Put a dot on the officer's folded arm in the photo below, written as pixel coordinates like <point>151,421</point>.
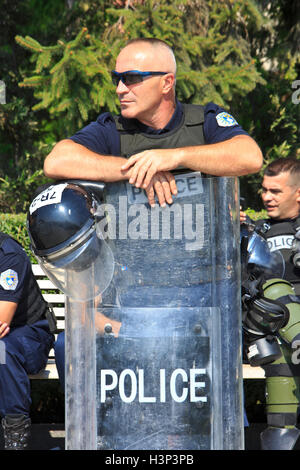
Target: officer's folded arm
<point>237,156</point>
<point>71,160</point>
<point>7,311</point>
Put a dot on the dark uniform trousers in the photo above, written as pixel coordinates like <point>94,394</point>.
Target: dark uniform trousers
<point>23,351</point>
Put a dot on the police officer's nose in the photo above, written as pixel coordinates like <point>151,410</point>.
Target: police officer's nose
<point>121,88</point>
<point>266,196</point>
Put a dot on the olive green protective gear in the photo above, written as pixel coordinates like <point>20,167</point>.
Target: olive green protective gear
<point>283,374</point>
<point>282,291</point>
<point>282,389</point>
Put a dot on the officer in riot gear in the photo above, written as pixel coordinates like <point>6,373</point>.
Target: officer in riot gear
<point>271,326</point>
<point>281,198</point>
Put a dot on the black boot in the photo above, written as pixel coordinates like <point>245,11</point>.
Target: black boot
<point>16,431</point>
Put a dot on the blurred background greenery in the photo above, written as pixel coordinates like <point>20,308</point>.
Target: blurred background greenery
<point>56,57</point>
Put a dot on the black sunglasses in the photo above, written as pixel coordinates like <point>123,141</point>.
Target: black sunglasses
<point>130,77</point>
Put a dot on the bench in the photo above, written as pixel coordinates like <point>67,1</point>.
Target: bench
<point>57,299</point>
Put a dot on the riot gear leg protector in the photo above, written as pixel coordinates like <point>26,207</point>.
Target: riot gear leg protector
<point>282,403</point>
<point>282,375</point>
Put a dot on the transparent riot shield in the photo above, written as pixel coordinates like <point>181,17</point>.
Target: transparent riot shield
<point>169,376</point>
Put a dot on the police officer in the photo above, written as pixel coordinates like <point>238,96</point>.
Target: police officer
<point>156,130</point>
<point>281,198</point>
<point>25,340</point>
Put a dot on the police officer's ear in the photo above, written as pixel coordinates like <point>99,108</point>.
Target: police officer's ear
<point>298,195</point>
<point>168,83</point>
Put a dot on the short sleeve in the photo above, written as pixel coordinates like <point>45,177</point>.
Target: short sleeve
<point>100,136</point>
<point>219,125</point>
<point>14,268</point>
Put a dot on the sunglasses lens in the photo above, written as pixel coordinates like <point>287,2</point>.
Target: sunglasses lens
<point>115,79</point>
<point>132,78</point>
<point>126,78</point>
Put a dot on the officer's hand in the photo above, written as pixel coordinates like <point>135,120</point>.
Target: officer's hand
<point>145,165</point>
<point>243,217</point>
<point>162,185</point>
<point>4,329</point>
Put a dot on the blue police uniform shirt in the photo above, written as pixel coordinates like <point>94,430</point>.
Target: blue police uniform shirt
<point>14,270</point>
<point>101,136</point>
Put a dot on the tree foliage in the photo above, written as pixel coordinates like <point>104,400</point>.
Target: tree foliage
<point>72,79</point>
<point>236,53</point>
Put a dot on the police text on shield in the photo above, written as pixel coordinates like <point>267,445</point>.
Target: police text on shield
<point>182,385</point>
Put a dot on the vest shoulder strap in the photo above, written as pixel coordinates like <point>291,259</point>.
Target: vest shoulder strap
<point>193,115</point>
<point>123,124</point>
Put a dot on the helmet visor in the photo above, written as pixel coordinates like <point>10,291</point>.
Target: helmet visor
<point>84,272</point>
<point>261,258</point>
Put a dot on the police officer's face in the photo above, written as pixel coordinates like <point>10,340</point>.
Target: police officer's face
<point>143,100</point>
<point>280,198</point>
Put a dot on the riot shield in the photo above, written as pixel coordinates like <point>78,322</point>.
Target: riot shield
<point>171,377</point>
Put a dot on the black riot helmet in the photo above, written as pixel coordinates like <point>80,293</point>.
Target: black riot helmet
<point>62,227</point>
<point>60,216</point>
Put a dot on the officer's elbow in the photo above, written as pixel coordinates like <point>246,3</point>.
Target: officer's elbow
<point>48,167</point>
<point>256,160</point>
<point>53,161</point>
<point>253,154</point>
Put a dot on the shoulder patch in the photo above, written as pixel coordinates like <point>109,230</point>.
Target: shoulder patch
<point>226,120</point>
<point>9,279</point>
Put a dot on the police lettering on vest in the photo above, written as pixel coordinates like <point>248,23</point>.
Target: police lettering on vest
<point>280,235</point>
<point>280,242</point>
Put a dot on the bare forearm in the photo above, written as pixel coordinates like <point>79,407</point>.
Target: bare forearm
<point>235,157</point>
<point>71,160</point>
